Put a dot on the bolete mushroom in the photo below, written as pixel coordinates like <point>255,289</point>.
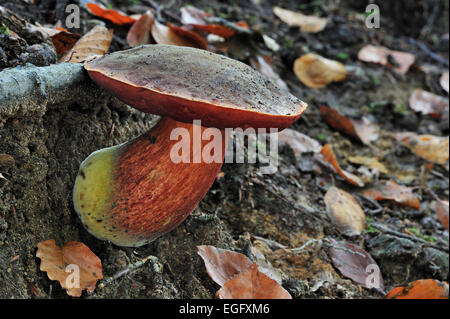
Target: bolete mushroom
<point>132,193</point>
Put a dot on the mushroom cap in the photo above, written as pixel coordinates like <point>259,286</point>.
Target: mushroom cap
<point>189,84</point>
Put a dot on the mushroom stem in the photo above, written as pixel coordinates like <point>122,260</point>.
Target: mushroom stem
<point>132,193</point>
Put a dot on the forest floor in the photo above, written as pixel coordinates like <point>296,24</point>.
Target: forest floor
<point>244,209</point>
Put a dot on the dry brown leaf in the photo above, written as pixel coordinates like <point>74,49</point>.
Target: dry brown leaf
<point>164,35</point>
<point>330,157</point>
<point>263,66</point>
<point>444,81</point>
<point>344,211</point>
<point>442,212</point>
<point>54,261</point>
<point>370,162</point>
<point>187,32</point>
<point>300,143</point>
<point>306,23</point>
<point>64,41</point>
<point>428,103</point>
<point>196,17</point>
<point>380,55</point>
<point>355,263</point>
<point>193,15</point>
<point>421,289</point>
<point>252,284</point>
<point>430,147</point>
<point>316,71</point>
<point>115,16</point>
<point>221,264</point>
<point>95,42</point>
<point>362,129</point>
<point>390,190</point>
<point>139,32</point>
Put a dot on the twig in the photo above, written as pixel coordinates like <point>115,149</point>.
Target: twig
<point>430,53</point>
<point>309,242</point>
<point>378,209</point>
<point>402,235</point>
<point>154,260</point>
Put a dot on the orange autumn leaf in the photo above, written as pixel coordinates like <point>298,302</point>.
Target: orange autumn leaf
<point>361,129</point>
<point>390,190</point>
<point>442,212</point>
<point>330,157</point>
<point>164,35</point>
<point>381,55</point>
<point>428,103</point>
<point>221,264</point>
<point>344,211</point>
<point>186,32</point>
<point>430,147</point>
<point>216,29</point>
<point>195,17</point>
<point>139,32</point>
<point>66,264</point>
<point>252,284</point>
<point>95,42</point>
<point>421,289</point>
<point>316,71</point>
<point>112,15</point>
<point>64,41</point>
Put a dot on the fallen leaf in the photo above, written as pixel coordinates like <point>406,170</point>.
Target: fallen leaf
<point>421,289</point>
<point>59,264</point>
<point>263,66</point>
<point>442,212</point>
<point>381,55</point>
<point>164,35</point>
<point>344,211</point>
<point>115,16</point>
<point>252,284</point>
<point>216,29</point>
<point>390,190</point>
<point>428,103</point>
<point>330,157</point>
<point>95,42</point>
<point>444,81</point>
<point>188,33</point>
<point>64,41</point>
<point>430,147</point>
<point>370,162</point>
<point>300,143</point>
<point>355,263</point>
<point>221,264</point>
<point>139,32</point>
<point>193,16</point>
<point>362,129</point>
<point>306,23</point>
<point>316,71</point>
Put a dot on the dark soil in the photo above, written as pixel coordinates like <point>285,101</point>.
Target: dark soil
<point>243,205</point>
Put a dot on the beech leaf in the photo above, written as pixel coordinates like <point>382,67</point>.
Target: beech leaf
<point>64,264</point>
